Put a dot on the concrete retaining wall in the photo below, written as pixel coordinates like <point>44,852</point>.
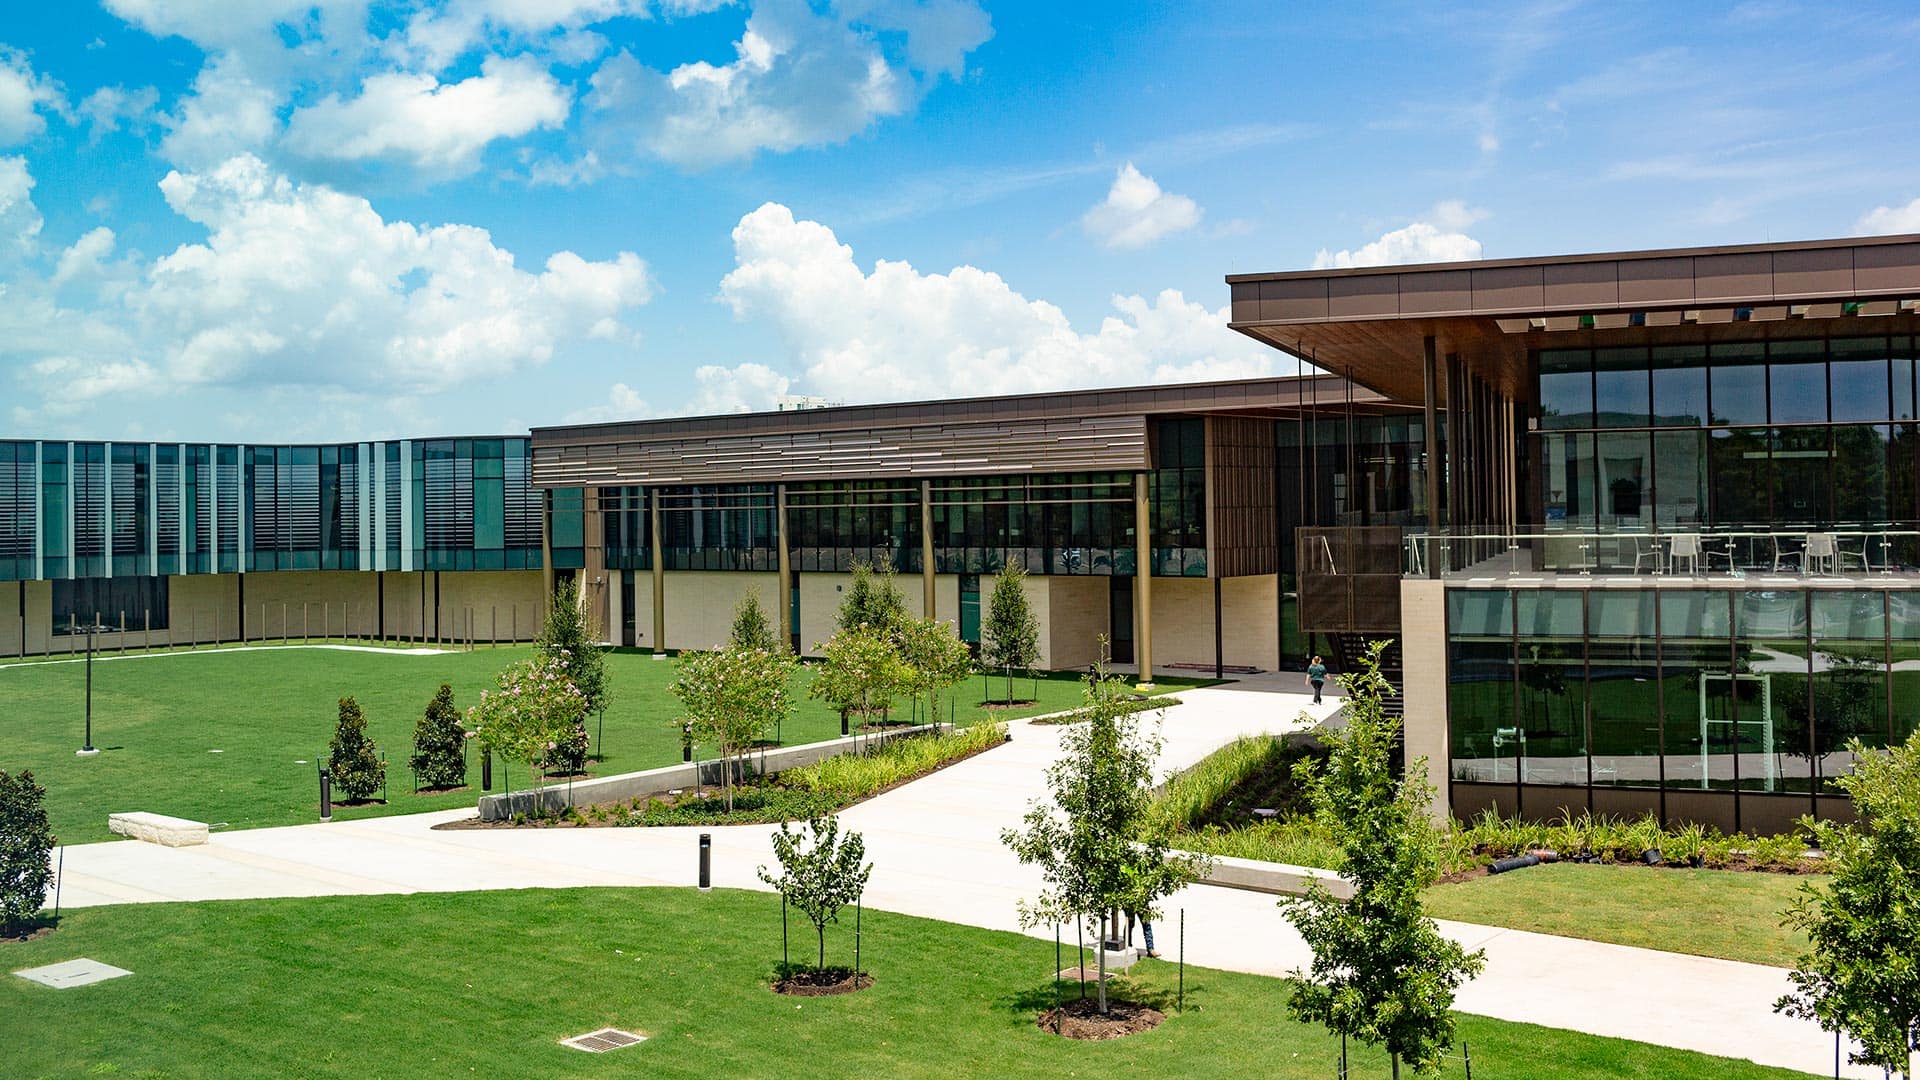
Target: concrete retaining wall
<point>558,797</point>
<point>1280,879</point>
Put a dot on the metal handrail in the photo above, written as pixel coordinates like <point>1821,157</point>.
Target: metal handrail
<point>1580,551</point>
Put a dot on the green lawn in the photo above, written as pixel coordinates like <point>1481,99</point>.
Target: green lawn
<point>271,712</point>
<point>1731,914</point>
<point>487,983</point>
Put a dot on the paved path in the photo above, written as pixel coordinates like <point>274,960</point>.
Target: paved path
<point>936,852</point>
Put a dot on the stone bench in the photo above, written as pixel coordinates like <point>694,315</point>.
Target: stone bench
<point>158,829</point>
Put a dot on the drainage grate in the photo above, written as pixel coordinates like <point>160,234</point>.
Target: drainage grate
<point>599,1042</point>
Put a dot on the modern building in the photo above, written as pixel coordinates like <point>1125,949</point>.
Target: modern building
<point>1644,527</point>
<point>1675,528</point>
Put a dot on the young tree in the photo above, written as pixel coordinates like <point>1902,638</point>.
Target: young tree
<point>1382,972</point>
<point>1861,976</point>
<point>565,639</point>
<point>1099,847</point>
<point>26,849</point>
<point>872,599</point>
<point>821,877</point>
<point>861,672</point>
<point>934,657</point>
<point>351,760</point>
<point>439,743</point>
<point>1011,637</point>
<point>531,714</point>
<point>751,629</point>
<point>732,697</point>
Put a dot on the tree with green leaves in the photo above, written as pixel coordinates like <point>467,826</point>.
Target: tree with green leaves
<point>529,716</point>
<point>1382,972</point>
<point>820,874</point>
<point>439,744</point>
<point>934,658</point>
<point>26,850</point>
<point>1010,637</point>
<point>732,696</point>
<point>566,639</point>
<point>873,599</point>
<point>1099,846</point>
<point>751,629</point>
<point>352,760</point>
<point>1862,976</point>
<point>860,672</point>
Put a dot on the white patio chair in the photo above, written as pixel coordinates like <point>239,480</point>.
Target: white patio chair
<point>1684,546</point>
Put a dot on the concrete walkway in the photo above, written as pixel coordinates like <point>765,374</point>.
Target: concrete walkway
<point>935,845</point>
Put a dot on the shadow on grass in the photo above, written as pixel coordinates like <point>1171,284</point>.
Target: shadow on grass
<point>1025,1004</point>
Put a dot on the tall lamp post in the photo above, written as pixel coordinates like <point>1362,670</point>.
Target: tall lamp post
<point>88,750</point>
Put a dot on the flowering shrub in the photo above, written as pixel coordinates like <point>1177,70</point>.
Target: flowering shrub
<point>534,716</point>
<point>733,695</point>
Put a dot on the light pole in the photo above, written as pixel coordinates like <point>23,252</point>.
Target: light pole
<point>88,750</point>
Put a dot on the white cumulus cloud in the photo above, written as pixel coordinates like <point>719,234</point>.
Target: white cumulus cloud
<point>1884,220</point>
<point>623,403</point>
<point>1440,237</point>
<point>895,333</point>
<point>303,286</point>
<point>798,78</point>
<point>19,219</point>
<point>435,127</point>
<point>1136,212</point>
<point>24,97</point>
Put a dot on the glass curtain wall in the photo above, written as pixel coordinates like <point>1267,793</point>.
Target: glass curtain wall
<point>1744,436</point>
<point>1732,707</point>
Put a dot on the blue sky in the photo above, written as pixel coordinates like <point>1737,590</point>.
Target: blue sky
<point>288,220</point>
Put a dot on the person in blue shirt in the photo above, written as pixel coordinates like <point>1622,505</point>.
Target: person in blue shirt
<point>1316,677</point>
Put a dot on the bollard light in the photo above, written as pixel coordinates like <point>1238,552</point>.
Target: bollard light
<point>326,795</point>
<point>486,770</point>
<point>706,862</point>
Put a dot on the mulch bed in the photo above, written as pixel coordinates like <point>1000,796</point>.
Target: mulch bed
<point>822,983</point>
<point>37,932</point>
<point>1082,1019</point>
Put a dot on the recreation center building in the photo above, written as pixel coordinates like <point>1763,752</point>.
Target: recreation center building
<point>1644,527</point>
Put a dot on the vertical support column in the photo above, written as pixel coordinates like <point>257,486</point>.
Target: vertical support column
<point>783,597</point>
<point>926,551</point>
<point>659,574</point>
<point>1142,580</point>
<point>1431,417</point>
<point>1219,644</point>
<point>546,545</point>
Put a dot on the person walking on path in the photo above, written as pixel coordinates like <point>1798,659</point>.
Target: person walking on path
<point>1316,677</point>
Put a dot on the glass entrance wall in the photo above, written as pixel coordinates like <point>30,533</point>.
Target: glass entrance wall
<point>1728,706</point>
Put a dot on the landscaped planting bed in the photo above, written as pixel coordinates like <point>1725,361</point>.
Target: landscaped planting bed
<point>795,794</point>
<point>1602,887</point>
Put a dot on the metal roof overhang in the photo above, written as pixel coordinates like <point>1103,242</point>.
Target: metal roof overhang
<point>1372,323</point>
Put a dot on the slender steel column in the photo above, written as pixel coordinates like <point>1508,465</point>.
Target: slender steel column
<point>926,548</point>
<point>659,577</point>
<point>782,600</point>
<point>1430,377</point>
<point>1142,580</point>
<point>546,545</point>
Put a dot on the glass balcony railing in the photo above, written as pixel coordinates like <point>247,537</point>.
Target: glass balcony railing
<point>1814,551</point>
